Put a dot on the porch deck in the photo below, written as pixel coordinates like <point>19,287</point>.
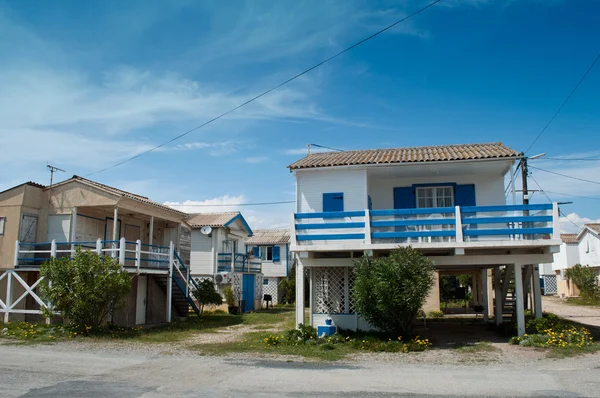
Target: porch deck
<point>238,262</point>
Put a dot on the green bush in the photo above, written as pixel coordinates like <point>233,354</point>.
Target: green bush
<point>586,281</point>
<point>301,334</point>
<point>390,291</point>
<point>86,289</point>
<point>206,294</point>
<point>547,321</point>
<point>435,314</point>
<point>229,296</point>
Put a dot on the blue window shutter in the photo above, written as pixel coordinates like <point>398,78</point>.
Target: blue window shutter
<point>464,195</point>
<point>333,201</point>
<point>404,198</point>
<point>256,251</point>
<point>276,253</point>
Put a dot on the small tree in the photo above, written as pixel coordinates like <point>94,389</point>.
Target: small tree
<point>288,286</point>
<point>86,289</point>
<point>390,291</point>
<point>206,294</point>
<point>586,281</point>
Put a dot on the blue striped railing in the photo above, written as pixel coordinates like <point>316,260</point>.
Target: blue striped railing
<point>513,222</point>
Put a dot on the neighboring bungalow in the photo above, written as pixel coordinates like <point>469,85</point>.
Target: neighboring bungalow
<point>272,246</point>
<point>218,251</point>
<point>446,201</point>
<point>150,240</point>
<point>567,257</point>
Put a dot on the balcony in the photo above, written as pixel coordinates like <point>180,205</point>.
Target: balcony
<point>238,262</point>
<point>447,227</point>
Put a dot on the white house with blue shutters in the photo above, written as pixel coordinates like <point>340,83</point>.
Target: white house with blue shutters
<point>446,201</point>
<point>272,246</point>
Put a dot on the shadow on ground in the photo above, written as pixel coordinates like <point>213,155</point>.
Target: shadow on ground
<point>453,334</point>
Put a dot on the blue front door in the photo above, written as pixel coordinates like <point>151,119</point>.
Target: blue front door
<point>248,292</point>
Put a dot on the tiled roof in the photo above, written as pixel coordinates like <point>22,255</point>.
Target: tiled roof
<point>211,219</point>
<point>569,238</point>
<point>31,183</point>
<point>594,227</point>
<point>406,155</point>
<point>269,237</point>
<point>122,193</point>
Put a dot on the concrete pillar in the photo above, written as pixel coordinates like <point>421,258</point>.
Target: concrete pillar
<point>475,292</point>
<point>497,296</point>
<point>311,297</point>
<point>519,307</point>
<point>115,231</point>
<point>537,293</point>
<point>170,282</point>
<point>484,295</point>
<point>73,234</point>
<point>300,294</point>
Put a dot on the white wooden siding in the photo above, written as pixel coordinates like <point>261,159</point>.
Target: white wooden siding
<point>90,229</point>
<point>589,249</point>
<point>567,257</point>
<point>312,184</point>
<point>201,256</point>
<point>275,268</point>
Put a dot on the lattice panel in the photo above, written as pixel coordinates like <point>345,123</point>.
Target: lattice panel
<point>350,288</point>
<point>330,290</point>
<point>236,285</point>
<point>258,287</point>
<point>550,285</point>
<point>199,279</point>
<point>272,288</point>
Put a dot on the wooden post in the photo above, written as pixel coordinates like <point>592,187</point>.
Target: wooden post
<point>73,234</point>
<point>17,250</point>
<point>115,231</point>
<point>99,246</point>
<point>458,227</point>
<point>8,301</point>
<point>299,293</point>
<point>151,234</point>
<point>293,242</point>
<point>122,251</point>
<point>138,254</point>
<point>187,282</point>
<point>53,248</point>
<point>311,296</point>
<point>555,221</point>
<point>497,296</point>
<point>367,219</point>
<point>484,295</point>
<point>520,309</point>
<point>537,293</point>
<point>170,281</point>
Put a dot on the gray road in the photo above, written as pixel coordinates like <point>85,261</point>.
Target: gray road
<point>32,371</point>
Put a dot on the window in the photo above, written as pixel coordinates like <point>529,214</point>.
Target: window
<point>229,246</point>
<point>2,223</point>
<point>266,253</point>
<point>333,201</point>
<point>265,281</point>
<point>430,197</point>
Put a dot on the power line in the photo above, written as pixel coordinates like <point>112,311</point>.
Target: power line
<point>574,159</point>
<point>232,205</point>
<point>564,175</point>
<point>564,103</point>
<point>560,212</point>
<point>327,147</point>
<point>269,90</point>
<point>574,196</point>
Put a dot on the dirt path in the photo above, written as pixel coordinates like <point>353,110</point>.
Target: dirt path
<point>584,315</point>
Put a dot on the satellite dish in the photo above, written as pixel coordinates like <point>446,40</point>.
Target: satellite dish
<point>206,230</point>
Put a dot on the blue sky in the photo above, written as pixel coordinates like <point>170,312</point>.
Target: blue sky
<point>86,84</point>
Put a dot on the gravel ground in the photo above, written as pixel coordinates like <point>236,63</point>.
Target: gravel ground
<point>584,315</point>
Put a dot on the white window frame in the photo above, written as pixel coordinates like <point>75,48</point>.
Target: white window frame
<point>434,191</point>
<point>2,225</point>
<point>266,253</point>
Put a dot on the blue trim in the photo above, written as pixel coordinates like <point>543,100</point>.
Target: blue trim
<point>427,221</point>
<point>333,214</point>
<point>330,237</point>
<point>494,220</point>
<point>477,209</point>
<point>93,218</point>
<point>333,201</point>
<point>331,225</point>
<point>396,212</point>
<point>415,234</point>
<point>106,225</point>
<point>437,184</point>
<point>508,231</point>
<point>241,218</point>
<point>33,259</point>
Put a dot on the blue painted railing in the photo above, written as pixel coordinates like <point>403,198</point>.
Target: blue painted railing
<point>241,263</point>
<point>505,222</point>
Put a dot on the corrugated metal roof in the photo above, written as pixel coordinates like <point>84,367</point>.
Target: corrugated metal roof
<point>569,238</point>
<point>269,237</point>
<point>122,193</point>
<point>406,155</point>
<point>210,219</point>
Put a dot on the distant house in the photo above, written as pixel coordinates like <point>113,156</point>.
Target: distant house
<point>448,202</point>
<point>272,246</point>
<point>567,257</point>
<point>218,251</point>
<point>149,239</point>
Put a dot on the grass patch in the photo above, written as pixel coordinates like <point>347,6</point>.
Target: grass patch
<point>482,346</point>
<point>558,353</point>
<point>585,302</point>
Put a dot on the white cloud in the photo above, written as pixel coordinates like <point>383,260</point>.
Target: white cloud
<point>573,223</point>
<point>214,148</point>
<point>220,204</point>
<point>256,159</point>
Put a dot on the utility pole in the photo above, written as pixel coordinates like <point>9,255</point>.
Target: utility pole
<point>524,173</point>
